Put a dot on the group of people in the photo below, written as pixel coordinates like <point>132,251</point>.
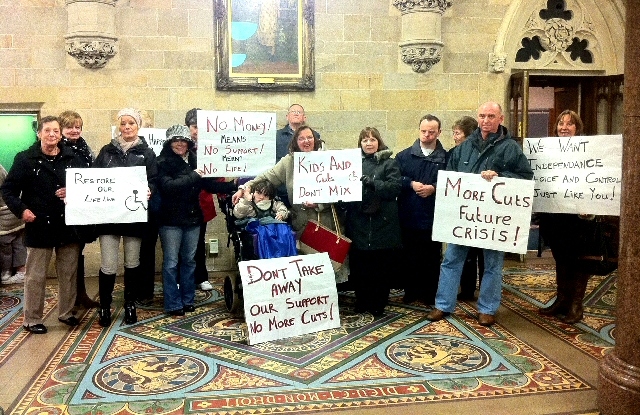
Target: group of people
<point>35,190</point>
<point>390,227</point>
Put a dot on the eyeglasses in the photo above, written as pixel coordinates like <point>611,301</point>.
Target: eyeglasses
<point>296,112</point>
<point>487,116</point>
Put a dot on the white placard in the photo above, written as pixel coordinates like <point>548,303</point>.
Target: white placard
<point>576,174</point>
<point>236,144</point>
<point>113,195</point>
<point>289,296</point>
<point>327,176</point>
<point>155,138</point>
<point>474,212</point>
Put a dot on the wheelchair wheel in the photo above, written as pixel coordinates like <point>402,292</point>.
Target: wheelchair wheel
<point>232,295</point>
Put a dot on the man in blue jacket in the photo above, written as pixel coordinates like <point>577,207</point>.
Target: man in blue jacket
<point>491,152</point>
<point>419,166</point>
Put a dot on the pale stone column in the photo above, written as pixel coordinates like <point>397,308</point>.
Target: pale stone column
<point>619,380</point>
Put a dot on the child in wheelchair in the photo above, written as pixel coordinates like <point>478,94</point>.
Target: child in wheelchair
<point>261,203</point>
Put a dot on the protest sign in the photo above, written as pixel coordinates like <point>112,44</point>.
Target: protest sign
<point>236,144</point>
<point>114,195</point>
<point>474,212</point>
<point>155,138</point>
<point>327,176</point>
<point>576,174</point>
<point>289,296</point>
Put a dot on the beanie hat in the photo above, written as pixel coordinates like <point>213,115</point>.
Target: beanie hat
<point>179,132</point>
<point>192,117</point>
<point>132,112</point>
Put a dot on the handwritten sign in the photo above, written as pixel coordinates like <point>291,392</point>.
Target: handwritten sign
<point>576,174</point>
<point>155,138</point>
<point>114,195</point>
<point>474,212</point>
<point>236,144</point>
<point>289,296</point>
<point>327,176</point>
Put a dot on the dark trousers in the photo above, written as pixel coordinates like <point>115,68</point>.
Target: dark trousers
<point>420,265</point>
<point>201,274</point>
<point>371,273</point>
<point>471,272</point>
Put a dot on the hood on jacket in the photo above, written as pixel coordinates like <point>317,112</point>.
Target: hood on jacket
<point>379,155</point>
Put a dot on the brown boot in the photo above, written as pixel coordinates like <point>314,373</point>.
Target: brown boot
<point>561,303</point>
<point>575,312</point>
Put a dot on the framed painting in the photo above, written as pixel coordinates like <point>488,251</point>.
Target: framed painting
<point>264,45</point>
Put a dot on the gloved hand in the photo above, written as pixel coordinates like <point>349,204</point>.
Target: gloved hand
<point>367,181</point>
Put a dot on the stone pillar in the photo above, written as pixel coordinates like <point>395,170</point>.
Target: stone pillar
<point>90,37</point>
<point>421,43</point>
<point>619,379</point>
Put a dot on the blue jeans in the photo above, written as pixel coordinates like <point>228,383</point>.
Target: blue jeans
<point>451,270</point>
<point>179,243</point>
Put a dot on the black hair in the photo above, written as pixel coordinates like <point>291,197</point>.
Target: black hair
<point>265,187</point>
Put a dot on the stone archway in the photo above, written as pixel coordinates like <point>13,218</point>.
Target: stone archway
<point>556,36</point>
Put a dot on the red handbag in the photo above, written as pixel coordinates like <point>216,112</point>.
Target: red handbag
<point>318,238</point>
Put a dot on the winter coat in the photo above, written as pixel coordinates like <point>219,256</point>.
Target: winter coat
<point>416,212</point>
<point>501,154</point>
<point>9,223</point>
<point>373,223</point>
<point>80,148</point>
<point>247,208</point>
<point>111,155</point>
<point>31,184</point>
<point>179,187</point>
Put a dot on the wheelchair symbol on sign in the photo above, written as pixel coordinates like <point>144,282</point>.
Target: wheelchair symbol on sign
<point>132,203</point>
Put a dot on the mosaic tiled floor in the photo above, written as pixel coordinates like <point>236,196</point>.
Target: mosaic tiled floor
<point>525,288</point>
<point>11,316</point>
<point>201,364</point>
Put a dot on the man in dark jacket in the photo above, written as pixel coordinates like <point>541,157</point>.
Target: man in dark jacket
<point>35,190</point>
<point>491,152</point>
<point>419,166</point>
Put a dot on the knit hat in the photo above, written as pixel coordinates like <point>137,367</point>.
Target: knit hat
<point>179,132</point>
<point>192,117</point>
<point>132,112</point>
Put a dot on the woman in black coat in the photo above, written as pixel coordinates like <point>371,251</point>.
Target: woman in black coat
<point>34,190</point>
<point>125,150</point>
<point>373,225</point>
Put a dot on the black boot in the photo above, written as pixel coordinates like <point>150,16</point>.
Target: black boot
<point>575,312</point>
<point>106,282</point>
<point>82,299</point>
<point>130,276</point>
<point>561,303</point>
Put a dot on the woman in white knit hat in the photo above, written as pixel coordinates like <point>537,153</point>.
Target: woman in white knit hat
<point>126,149</point>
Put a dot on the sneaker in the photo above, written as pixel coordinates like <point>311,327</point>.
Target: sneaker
<point>13,279</point>
<point>206,286</point>
<point>5,276</point>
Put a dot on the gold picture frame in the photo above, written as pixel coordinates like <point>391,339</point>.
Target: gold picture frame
<point>264,45</point>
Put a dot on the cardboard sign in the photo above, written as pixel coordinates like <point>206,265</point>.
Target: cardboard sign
<point>114,195</point>
<point>236,144</point>
<point>289,296</point>
<point>474,212</point>
<point>327,176</point>
<point>576,174</point>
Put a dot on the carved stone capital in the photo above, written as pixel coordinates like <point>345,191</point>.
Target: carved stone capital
<point>92,53</point>
<point>411,6</point>
<point>421,55</point>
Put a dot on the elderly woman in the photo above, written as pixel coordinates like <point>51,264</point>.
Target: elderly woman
<point>303,140</point>
<point>124,150</point>
<point>180,184</point>
<point>373,225</point>
<point>71,125</point>
<point>35,190</point>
